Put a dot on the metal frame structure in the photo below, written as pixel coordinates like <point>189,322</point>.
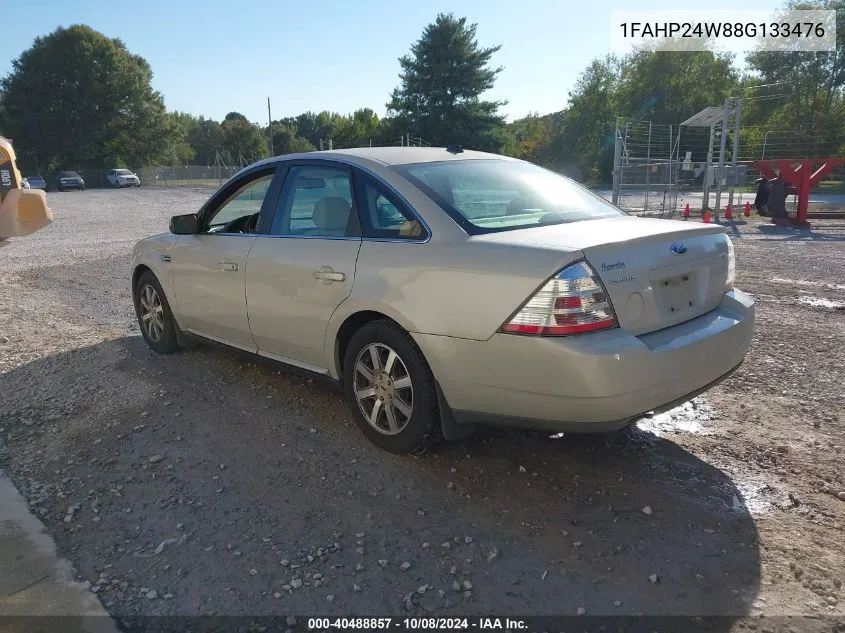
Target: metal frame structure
<point>803,175</point>
<point>800,157</point>
<point>646,167</point>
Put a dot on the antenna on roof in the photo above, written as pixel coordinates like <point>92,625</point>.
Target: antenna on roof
<point>455,149</point>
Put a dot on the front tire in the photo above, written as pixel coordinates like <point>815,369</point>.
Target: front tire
<point>390,388</point>
<point>155,318</point>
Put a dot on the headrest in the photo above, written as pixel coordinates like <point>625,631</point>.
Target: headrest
<point>331,214</point>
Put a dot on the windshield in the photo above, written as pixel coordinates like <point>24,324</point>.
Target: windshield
<point>484,196</point>
<point>123,172</point>
<point>68,174</point>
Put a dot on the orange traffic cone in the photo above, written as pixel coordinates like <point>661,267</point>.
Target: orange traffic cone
<point>729,212</point>
<point>707,216</point>
<point>747,211</point>
<point>686,212</point>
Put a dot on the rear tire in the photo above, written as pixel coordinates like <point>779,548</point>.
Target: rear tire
<point>158,327</point>
<point>390,389</point>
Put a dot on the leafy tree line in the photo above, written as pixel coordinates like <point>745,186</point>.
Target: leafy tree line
<point>799,92</point>
<point>79,98</point>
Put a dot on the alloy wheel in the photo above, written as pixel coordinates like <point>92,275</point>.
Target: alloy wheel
<point>383,388</point>
<point>152,313</point>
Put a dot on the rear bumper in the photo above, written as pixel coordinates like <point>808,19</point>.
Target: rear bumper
<point>592,382</point>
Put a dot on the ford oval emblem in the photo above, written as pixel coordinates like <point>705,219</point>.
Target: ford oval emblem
<point>678,248</point>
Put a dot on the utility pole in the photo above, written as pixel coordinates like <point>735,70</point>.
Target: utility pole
<point>270,128</point>
<point>617,163</point>
<point>734,158</point>
<point>726,115</point>
<point>708,171</point>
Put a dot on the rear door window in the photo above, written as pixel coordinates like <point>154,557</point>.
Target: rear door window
<point>317,201</point>
<point>384,216</point>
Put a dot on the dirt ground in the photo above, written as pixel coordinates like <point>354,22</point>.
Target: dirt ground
<point>203,483</point>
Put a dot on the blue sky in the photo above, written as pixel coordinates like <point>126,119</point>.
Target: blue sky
<point>216,56</point>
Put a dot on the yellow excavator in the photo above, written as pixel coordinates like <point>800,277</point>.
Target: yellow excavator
<point>22,211</point>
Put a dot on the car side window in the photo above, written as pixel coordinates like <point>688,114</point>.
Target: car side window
<point>239,213</point>
<point>316,201</point>
<point>385,216</point>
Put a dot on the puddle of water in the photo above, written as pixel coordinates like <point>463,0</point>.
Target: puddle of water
<point>691,417</point>
<point>758,495</point>
<point>802,282</point>
<point>821,302</point>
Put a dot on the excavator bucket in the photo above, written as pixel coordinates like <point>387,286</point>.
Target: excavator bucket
<point>22,211</point>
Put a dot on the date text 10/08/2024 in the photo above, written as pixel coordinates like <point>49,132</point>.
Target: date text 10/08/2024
<point>416,624</point>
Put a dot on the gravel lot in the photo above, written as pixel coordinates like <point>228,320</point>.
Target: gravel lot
<point>204,483</point>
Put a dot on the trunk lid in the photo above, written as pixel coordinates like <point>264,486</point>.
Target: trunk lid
<point>658,273</point>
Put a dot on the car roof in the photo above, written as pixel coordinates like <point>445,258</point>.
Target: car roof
<point>387,155</point>
<point>407,155</point>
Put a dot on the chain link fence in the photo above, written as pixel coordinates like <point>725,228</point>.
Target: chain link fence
<point>659,169</point>
<point>187,175</point>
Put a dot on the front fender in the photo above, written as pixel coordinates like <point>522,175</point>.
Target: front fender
<point>155,253</point>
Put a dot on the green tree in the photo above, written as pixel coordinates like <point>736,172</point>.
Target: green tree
<point>180,150</point>
<point>242,139</point>
<point>79,98</point>
<point>206,138</point>
<point>441,83</point>
<point>669,87</point>
<point>803,97</point>
<point>286,141</point>
<point>533,136</point>
<point>583,143</point>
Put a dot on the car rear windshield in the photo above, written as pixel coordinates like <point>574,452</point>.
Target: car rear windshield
<point>68,174</point>
<point>485,196</point>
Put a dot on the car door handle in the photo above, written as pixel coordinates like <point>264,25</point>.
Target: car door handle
<point>327,274</point>
<point>227,266</point>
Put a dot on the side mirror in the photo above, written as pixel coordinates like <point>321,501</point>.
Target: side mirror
<point>184,224</point>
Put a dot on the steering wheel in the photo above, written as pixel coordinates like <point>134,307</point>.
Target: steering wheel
<point>243,224</point>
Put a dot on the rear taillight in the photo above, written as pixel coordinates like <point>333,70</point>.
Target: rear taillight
<point>729,282</point>
<point>571,302</point>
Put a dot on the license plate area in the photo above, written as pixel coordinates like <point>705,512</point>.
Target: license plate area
<point>677,292</point>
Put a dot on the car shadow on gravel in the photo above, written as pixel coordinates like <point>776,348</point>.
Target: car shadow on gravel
<point>234,489</point>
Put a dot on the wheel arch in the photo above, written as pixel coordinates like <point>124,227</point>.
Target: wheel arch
<point>343,331</point>
<point>139,270</point>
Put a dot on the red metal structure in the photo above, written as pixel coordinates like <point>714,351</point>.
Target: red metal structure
<point>802,174</point>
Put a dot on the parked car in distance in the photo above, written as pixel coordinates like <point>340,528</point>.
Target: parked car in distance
<point>36,181</point>
<point>25,184</point>
<point>122,178</point>
<point>69,180</point>
<point>443,288</point>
